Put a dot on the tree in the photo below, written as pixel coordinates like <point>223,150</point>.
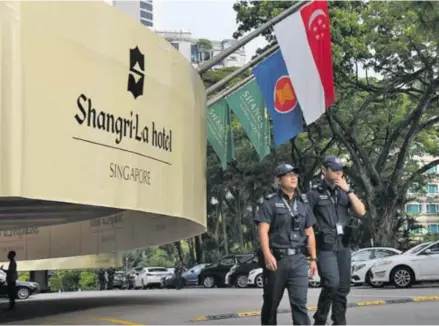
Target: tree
<point>376,122</point>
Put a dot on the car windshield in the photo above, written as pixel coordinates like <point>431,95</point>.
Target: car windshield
<point>416,249</point>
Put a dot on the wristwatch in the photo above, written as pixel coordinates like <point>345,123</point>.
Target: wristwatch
<point>350,191</point>
<point>312,259</point>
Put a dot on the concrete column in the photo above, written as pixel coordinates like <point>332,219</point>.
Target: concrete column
<point>41,277</point>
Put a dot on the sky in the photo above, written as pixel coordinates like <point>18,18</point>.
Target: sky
<point>210,19</point>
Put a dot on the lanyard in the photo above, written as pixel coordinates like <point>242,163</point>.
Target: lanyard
<point>334,198</point>
<point>293,212</point>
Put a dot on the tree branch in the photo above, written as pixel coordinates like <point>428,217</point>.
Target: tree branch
<point>360,152</point>
<point>381,162</point>
<point>417,173</point>
<point>428,123</point>
<point>423,105</point>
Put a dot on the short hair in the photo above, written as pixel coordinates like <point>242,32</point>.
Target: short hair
<point>12,253</point>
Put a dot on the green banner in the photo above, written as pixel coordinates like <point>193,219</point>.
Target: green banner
<point>249,107</point>
<point>219,132</point>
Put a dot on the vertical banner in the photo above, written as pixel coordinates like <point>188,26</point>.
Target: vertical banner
<point>249,107</point>
<point>219,132</point>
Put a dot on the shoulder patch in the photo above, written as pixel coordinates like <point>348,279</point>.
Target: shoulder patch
<point>304,198</point>
<point>269,196</point>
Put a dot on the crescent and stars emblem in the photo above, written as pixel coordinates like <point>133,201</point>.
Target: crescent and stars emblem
<point>318,24</point>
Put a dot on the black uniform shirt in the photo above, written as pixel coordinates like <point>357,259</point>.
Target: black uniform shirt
<point>274,212</point>
<point>330,206</point>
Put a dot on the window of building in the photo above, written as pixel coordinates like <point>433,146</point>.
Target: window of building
<point>432,189</point>
<point>146,5</point>
<point>432,208</point>
<point>175,45</point>
<point>146,22</point>
<point>146,14</point>
<point>433,228</point>
<point>413,208</point>
<point>194,53</point>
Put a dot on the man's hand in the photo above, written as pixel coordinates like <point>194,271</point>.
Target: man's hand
<point>270,262</point>
<point>342,184</point>
<point>312,268</point>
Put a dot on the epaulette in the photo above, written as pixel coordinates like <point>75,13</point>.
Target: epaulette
<point>304,198</point>
<point>269,196</point>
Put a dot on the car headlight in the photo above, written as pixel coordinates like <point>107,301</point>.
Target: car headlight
<point>381,263</point>
<point>358,267</point>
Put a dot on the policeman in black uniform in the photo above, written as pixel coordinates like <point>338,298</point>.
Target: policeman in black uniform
<point>330,201</point>
<point>285,223</point>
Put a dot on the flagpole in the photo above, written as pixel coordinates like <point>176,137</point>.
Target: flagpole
<point>229,90</point>
<point>224,54</point>
<point>237,72</point>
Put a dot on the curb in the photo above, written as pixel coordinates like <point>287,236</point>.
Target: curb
<point>359,304</point>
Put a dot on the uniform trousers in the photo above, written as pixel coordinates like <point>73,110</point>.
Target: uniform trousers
<point>291,273</point>
<point>335,273</point>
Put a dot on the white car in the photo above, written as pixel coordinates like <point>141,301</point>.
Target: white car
<point>150,276</point>
<point>255,279</point>
<point>362,261</point>
<point>404,270</point>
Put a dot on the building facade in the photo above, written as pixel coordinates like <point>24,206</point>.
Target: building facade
<point>198,51</point>
<point>426,206</point>
<point>140,10</point>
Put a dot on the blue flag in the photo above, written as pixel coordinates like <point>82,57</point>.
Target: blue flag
<point>281,101</point>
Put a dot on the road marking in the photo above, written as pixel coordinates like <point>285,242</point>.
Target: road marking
<point>119,322</point>
<point>359,304</point>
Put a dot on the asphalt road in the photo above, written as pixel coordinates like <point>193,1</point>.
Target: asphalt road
<point>166,307</point>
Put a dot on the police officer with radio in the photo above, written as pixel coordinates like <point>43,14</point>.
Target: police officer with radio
<point>330,201</point>
<point>285,223</point>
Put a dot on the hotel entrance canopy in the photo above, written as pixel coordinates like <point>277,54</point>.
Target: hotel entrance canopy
<point>102,133</point>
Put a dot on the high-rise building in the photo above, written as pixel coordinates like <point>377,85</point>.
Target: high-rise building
<point>197,51</point>
<point>147,13</point>
<point>140,10</point>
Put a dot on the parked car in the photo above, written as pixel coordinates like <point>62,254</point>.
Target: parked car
<point>24,289</point>
<point>239,273</point>
<point>360,273</point>
<point>120,280</point>
<point>407,269</point>
<point>215,274</point>
<point>190,277</point>
<point>147,277</point>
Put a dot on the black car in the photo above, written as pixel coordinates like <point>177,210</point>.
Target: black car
<point>238,274</point>
<point>215,274</point>
<point>24,289</point>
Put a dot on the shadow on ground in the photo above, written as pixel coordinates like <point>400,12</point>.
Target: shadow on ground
<point>37,308</point>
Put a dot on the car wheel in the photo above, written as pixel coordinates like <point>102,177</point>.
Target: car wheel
<point>241,281</point>
<point>373,283</point>
<point>259,281</point>
<point>209,282</point>
<point>23,293</point>
<point>402,277</point>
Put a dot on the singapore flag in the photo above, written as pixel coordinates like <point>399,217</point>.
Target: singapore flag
<point>305,42</point>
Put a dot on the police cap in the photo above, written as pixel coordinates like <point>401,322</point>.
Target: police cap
<point>283,169</point>
<point>333,162</point>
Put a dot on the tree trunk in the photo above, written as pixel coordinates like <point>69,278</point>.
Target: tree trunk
<point>179,250</point>
<point>239,219</point>
<point>224,225</point>
<point>198,250</point>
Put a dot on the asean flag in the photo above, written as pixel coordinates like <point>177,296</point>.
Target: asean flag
<point>305,42</point>
<point>280,98</point>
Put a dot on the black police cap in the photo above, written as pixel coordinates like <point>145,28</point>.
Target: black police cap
<point>284,169</point>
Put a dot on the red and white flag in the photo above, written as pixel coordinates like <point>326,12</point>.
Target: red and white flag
<point>305,42</point>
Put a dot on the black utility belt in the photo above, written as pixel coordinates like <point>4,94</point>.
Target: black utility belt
<point>287,252</point>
